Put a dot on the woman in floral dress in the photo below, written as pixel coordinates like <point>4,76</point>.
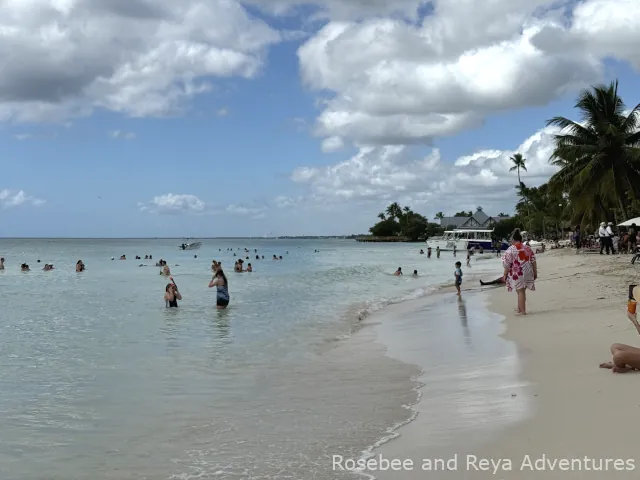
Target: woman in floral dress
<point>520,270</point>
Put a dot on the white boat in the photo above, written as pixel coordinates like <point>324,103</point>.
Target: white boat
<point>190,246</point>
<point>462,239</point>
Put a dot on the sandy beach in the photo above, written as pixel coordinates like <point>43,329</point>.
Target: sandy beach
<point>580,420</point>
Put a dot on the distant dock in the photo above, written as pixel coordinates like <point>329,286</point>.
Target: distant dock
<point>371,238</point>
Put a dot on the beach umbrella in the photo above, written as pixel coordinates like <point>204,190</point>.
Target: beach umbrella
<point>629,222</point>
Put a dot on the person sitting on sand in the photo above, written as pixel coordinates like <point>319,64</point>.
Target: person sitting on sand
<point>624,358</point>
<point>398,272</point>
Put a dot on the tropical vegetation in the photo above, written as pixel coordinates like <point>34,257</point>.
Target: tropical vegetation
<point>598,160</point>
<point>598,177</point>
<point>403,222</point>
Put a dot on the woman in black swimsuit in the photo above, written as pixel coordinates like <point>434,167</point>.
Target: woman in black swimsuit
<point>172,295</point>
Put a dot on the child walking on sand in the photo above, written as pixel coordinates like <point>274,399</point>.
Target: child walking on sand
<point>458,275</point>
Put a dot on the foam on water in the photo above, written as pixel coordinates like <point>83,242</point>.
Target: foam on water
<point>99,377</point>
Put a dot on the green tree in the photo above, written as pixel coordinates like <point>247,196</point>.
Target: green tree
<point>439,216</point>
<point>386,228</point>
<point>519,163</point>
<point>599,156</point>
<point>394,210</point>
<point>381,216</point>
<point>464,214</point>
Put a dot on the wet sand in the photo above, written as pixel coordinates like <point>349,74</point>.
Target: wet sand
<point>564,418</point>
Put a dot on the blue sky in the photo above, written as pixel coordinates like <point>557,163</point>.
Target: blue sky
<point>236,147</point>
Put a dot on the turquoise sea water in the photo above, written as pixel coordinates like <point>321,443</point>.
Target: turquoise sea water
<point>100,380</point>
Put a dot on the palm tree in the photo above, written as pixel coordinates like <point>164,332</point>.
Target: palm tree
<point>381,216</point>
<point>439,216</point>
<point>599,157</point>
<point>519,163</point>
<point>394,210</point>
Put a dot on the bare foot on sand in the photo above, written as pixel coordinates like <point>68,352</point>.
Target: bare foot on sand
<point>617,369</point>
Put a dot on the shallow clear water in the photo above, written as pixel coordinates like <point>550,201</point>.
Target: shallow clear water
<point>100,380</point>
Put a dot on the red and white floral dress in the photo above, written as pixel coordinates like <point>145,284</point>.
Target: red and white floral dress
<point>519,260</point>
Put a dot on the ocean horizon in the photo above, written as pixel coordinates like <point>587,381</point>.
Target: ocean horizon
<point>100,377</point>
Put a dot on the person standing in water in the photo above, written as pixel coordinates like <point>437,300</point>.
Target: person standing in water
<point>428,252</point>
<point>171,295</point>
<point>458,275</point>
<point>79,266</point>
<point>2,263</point>
<point>219,281</point>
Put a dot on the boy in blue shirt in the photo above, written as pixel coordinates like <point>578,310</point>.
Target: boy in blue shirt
<point>458,274</point>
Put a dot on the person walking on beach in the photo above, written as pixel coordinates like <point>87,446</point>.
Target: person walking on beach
<point>520,270</point>
<point>438,252</point>
<point>219,281</point>
<point>458,276</point>
<point>610,236</point>
<point>577,238</point>
<point>455,248</point>
<point>429,252</point>
<point>468,258</point>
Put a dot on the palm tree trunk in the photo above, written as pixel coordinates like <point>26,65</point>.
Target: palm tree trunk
<point>519,181</point>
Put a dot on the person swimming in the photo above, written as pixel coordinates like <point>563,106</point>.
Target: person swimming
<point>123,257</point>
<point>47,267</point>
<point>219,281</point>
<point>24,268</point>
<point>79,266</point>
<point>415,273</point>
<point>398,272</point>
<point>171,295</point>
<point>2,263</point>
<point>249,268</point>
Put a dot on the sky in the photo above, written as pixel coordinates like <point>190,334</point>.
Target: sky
<point>201,118</point>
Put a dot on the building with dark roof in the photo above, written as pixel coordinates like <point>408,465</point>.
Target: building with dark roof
<point>478,220</point>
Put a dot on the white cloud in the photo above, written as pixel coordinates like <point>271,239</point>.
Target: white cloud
<point>397,82</point>
<point>136,57</point>
<point>256,213</point>
<point>119,134</point>
<point>390,173</point>
<point>223,112</point>
<point>12,198</point>
<point>23,136</point>
<point>171,203</point>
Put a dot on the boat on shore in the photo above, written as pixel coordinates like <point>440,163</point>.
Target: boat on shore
<point>463,239</point>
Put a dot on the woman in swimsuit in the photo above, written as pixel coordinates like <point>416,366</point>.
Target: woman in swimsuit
<point>172,295</point>
<point>219,281</point>
<point>624,358</point>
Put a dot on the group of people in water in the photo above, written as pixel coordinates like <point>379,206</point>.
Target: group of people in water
<point>24,267</point>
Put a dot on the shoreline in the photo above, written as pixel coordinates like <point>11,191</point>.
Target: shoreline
<point>575,314</point>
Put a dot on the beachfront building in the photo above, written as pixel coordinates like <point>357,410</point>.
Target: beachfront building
<point>478,220</point>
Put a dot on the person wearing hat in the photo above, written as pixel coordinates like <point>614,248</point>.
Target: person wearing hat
<point>610,236</point>
<point>625,358</point>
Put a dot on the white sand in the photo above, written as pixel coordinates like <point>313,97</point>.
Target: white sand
<point>578,409</point>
